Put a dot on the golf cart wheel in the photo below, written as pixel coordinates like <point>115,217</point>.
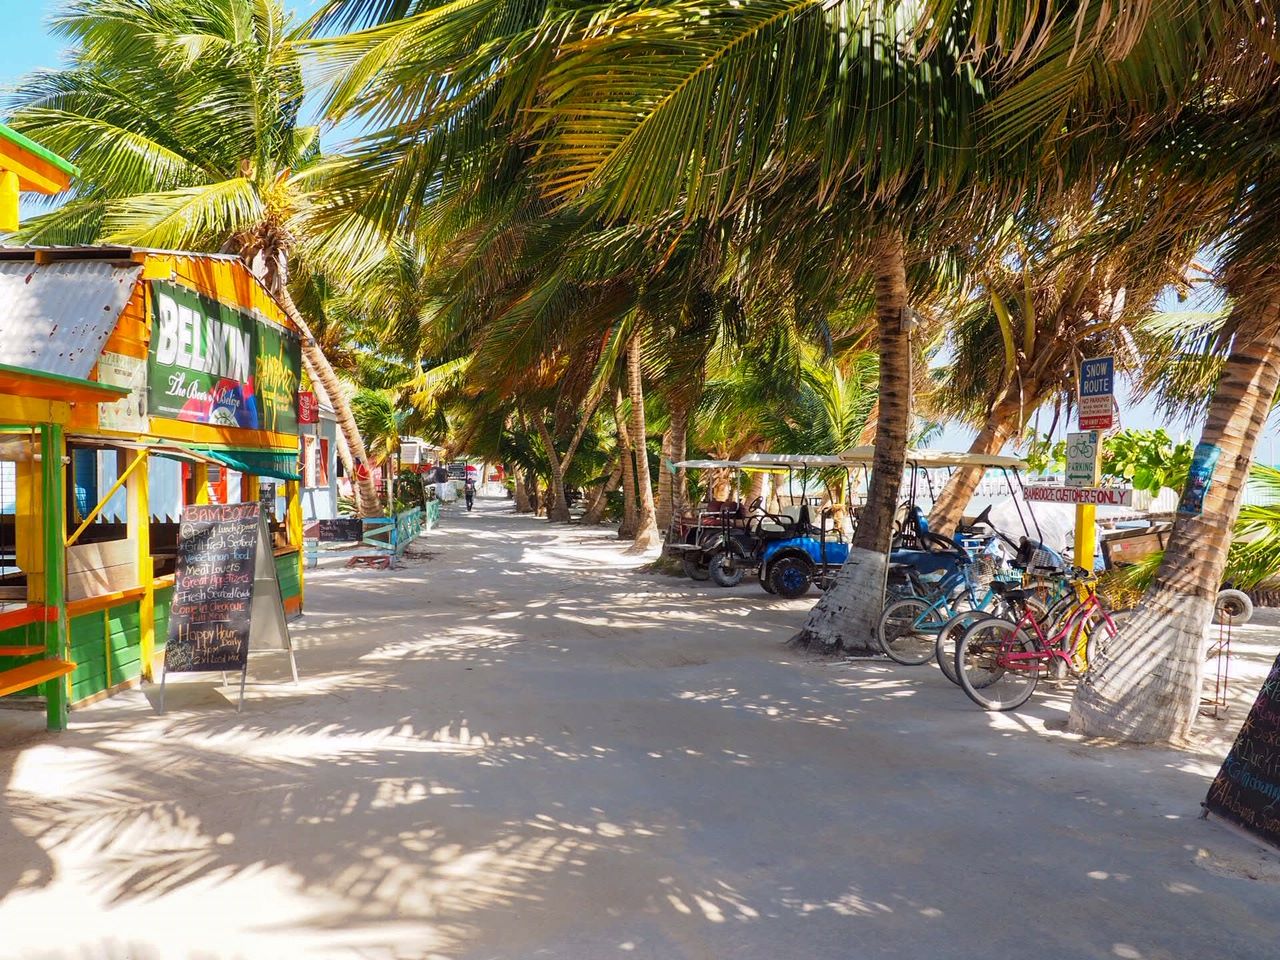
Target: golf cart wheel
<point>1233,608</point>
<point>791,577</point>
<point>693,566</point>
<point>727,568</point>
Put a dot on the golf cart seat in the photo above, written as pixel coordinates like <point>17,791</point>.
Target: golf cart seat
<point>789,520</point>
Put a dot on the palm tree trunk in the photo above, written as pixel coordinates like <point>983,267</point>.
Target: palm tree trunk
<point>627,528</point>
<point>647,534</point>
<point>322,372</point>
<point>531,485</point>
<point>557,505</point>
<point>521,495</point>
<point>595,512</point>
<point>1148,690</point>
<point>1003,422</point>
<point>845,617</point>
<point>673,447</point>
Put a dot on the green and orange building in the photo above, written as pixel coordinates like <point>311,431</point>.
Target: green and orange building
<point>132,382</point>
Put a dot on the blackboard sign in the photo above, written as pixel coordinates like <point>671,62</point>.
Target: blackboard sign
<point>213,588</point>
<point>226,597</point>
<point>340,530</point>
<point>1246,790</point>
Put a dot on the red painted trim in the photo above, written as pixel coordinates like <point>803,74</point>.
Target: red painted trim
<point>31,613</point>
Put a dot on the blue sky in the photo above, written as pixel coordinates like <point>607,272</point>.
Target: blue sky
<point>25,44</point>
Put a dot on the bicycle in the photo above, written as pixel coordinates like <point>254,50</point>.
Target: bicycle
<point>1048,595</point>
<point>909,628</point>
<point>1000,662</point>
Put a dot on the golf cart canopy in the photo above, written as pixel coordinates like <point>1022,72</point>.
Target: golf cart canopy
<point>927,459</point>
<point>710,464</point>
<point>780,461</point>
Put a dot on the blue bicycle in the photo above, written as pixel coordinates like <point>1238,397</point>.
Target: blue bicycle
<point>909,627</point>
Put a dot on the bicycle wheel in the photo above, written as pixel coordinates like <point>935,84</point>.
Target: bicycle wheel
<point>1093,637</point>
<point>908,629</point>
<point>985,677</point>
<point>944,648</point>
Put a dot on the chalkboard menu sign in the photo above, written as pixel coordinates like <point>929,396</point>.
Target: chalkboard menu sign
<point>340,529</point>
<point>226,597</point>
<point>213,588</point>
<point>1246,790</point>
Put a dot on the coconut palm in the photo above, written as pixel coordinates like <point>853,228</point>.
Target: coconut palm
<point>1181,87</point>
<point>811,110</point>
<point>183,117</point>
<point>1061,288</point>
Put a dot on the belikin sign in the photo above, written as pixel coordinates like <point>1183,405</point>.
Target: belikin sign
<point>212,363</point>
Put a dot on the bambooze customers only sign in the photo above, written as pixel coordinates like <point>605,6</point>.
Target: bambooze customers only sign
<point>214,363</point>
<point>1101,496</point>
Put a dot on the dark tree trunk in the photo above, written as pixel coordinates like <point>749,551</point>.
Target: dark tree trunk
<point>595,512</point>
<point>627,528</point>
<point>846,615</point>
<point>1004,420</point>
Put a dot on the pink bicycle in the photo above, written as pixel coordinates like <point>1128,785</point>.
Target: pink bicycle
<point>999,662</point>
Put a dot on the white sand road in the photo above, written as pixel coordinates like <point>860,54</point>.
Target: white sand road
<point>521,747</point>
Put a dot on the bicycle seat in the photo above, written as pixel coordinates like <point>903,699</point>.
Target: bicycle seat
<point>1016,595</point>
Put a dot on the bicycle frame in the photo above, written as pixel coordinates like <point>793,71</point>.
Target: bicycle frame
<point>1061,644</point>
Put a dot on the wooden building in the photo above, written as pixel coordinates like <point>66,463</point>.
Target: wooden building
<point>132,382</point>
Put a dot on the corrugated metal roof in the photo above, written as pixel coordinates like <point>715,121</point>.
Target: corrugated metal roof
<point>103,252</point>
<point>55,317</point>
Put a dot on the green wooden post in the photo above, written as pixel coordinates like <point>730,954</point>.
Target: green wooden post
<point>52,450</point>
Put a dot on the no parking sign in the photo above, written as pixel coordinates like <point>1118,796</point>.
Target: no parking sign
<point>1097,393</point>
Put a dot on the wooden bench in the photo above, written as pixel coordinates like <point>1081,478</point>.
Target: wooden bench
<point>32,674</point>
<point>21,650</point>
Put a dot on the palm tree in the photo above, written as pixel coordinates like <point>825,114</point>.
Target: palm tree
<point>681,108</point>
<point>1063,286</point>
<point>1182,86</point>
<point>182,116</point>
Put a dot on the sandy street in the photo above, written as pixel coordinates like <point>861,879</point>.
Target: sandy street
<point>522,748</point>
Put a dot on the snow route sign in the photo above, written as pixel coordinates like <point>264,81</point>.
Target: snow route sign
<point>1097,393</point>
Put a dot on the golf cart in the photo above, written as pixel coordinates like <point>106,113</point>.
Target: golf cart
<point>697,537</point>
<point>793,552</point>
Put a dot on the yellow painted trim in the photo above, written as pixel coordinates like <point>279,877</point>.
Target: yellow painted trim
<point>205,433</point>
<point>10,197</point>
<point>157,266</point>
<point>78,608</point>
<point>200,479</point>
<point>140,524</point>
<point>106,644</point>
<point>35,174</point>
<point>29,528</point>
<point>293,514</point>
<point>103,502</point>
<point>34,409</point>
